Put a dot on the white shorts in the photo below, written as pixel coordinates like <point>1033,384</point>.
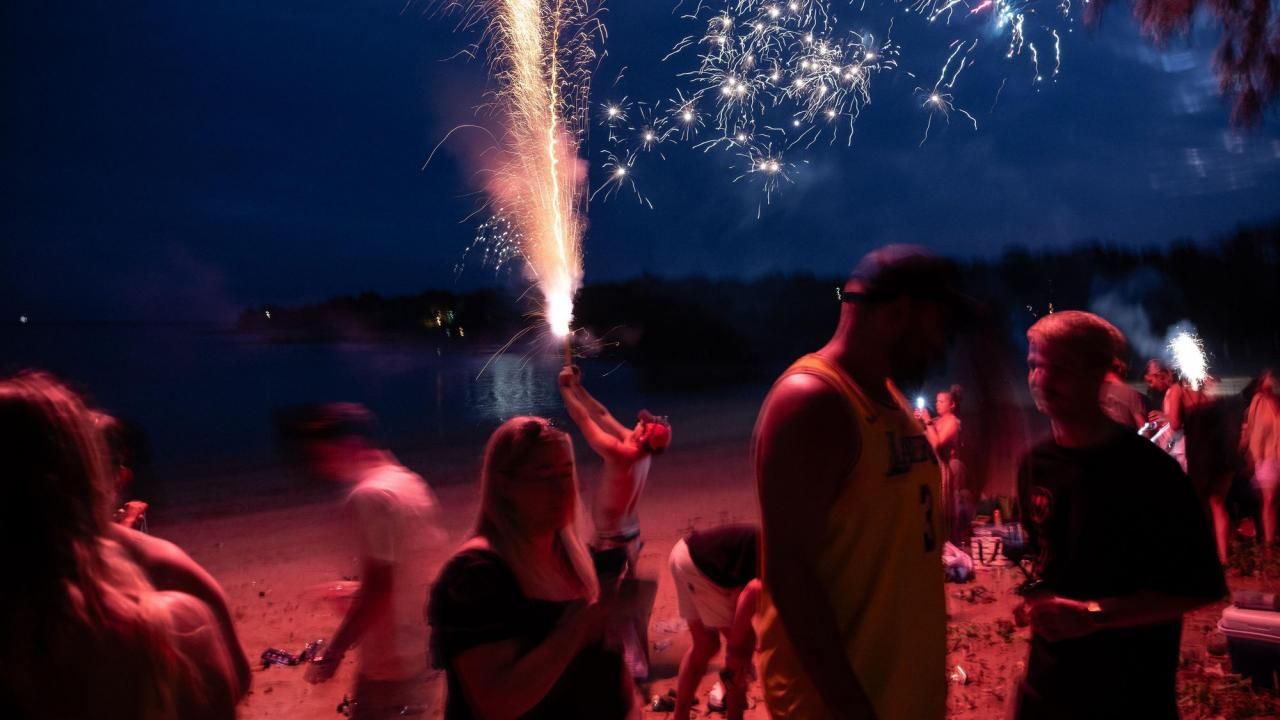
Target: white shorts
<point>698,597</point>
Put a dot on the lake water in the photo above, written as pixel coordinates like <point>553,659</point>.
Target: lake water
<point>205,397</point>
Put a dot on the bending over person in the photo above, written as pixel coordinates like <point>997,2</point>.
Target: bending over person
<point>717,578</point>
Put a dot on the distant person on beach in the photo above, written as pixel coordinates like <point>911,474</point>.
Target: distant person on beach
<point>944,434</point>
<point>1210,458</point>
<point>1159,379</point>
<point>85,633</point>
<point>1122,545</point>
<point>852,616</point>
<point>1260,439</point>
<point>394,516</point>
<point>716,573</point>
<point>517,614</point>
<point>1121,403</point>
<point>121,461</point>
<point>627,453</point>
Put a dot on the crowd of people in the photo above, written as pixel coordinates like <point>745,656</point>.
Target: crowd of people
<point>834,600</point>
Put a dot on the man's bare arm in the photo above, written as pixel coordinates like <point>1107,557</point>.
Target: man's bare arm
<point>600,413</point>
<point>372,601</point>
<point>604,443</point>
<point>805,448</point>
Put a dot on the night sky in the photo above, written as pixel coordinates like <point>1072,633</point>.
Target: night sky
<point>168,159</point>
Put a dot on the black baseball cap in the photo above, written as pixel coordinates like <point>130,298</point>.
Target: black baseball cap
<point>911,271</point>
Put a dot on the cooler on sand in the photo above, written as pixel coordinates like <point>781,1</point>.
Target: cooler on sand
<point>1253,639</point>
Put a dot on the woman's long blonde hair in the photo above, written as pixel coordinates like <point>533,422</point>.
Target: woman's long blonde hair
<point>508,449</point>
<point>74,602</point>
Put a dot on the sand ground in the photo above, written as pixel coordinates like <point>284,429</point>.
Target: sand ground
<point>276,565</point>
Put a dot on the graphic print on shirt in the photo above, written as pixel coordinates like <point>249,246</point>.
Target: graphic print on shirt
<point>1041,511</point>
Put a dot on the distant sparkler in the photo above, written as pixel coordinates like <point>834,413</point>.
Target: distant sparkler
<point>1189,359</point>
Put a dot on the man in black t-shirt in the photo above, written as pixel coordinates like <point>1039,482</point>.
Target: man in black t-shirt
<point>1124,548</point>
<point>716,573</point>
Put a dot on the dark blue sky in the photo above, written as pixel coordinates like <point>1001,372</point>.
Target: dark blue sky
<point>174,159</point>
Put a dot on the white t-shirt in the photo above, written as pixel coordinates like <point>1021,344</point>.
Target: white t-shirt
<point>395,515</point>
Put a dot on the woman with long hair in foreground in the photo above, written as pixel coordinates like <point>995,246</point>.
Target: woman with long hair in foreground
<point>517,622</point>
<point>83,633</point>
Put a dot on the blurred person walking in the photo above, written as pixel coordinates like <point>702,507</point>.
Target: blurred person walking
<point>394,515</point>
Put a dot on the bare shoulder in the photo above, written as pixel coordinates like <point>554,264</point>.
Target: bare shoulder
<point>166,565</point>
<point>150,551</point>
<point>803,399</point>
<point>806,435</point>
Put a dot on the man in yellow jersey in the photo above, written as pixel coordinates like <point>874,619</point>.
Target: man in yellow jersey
<point>852,617</point>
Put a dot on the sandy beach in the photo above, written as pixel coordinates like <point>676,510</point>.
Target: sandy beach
<point>279,564</point>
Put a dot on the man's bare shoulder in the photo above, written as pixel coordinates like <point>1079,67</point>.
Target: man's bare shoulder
<point>801,396</point>
<point>149,550</point>
<point>168,566</point>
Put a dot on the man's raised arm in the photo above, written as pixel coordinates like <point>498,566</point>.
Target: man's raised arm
<point>604,443</point>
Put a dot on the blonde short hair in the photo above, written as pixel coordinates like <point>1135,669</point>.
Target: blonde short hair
<point>1092,342</point>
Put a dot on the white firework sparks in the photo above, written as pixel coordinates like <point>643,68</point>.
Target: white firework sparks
<point>784,74</point>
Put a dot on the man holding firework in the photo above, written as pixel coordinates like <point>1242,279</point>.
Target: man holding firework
<point>627,454</point>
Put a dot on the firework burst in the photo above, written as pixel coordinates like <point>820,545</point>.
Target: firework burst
<point>786,75</point>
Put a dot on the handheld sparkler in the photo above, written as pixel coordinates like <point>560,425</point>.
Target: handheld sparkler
<point>1189,359</point>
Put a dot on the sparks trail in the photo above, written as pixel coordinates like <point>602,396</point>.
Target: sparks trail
<point>785,74</point>
<point>938,100</point>
<point>540,53</point>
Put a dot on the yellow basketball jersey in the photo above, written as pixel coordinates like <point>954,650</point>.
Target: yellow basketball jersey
<point>880,567</point>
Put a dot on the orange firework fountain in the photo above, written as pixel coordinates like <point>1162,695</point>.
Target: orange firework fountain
<point>541,52</point>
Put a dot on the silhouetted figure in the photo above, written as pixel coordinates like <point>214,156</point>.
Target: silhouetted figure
<point>1124,405</point>
<point>394,516</point>
<point>945,435</point>
<point>850,497</point>
<point>83,632</point>
<point>1159,379</point>
<point>1199,417</point>
<point>1123,548</point>
<point>121,460</point>
<point>516,614</point>
<point>1260,438</point>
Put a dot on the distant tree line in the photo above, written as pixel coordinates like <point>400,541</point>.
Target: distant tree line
<point>702,330</point>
